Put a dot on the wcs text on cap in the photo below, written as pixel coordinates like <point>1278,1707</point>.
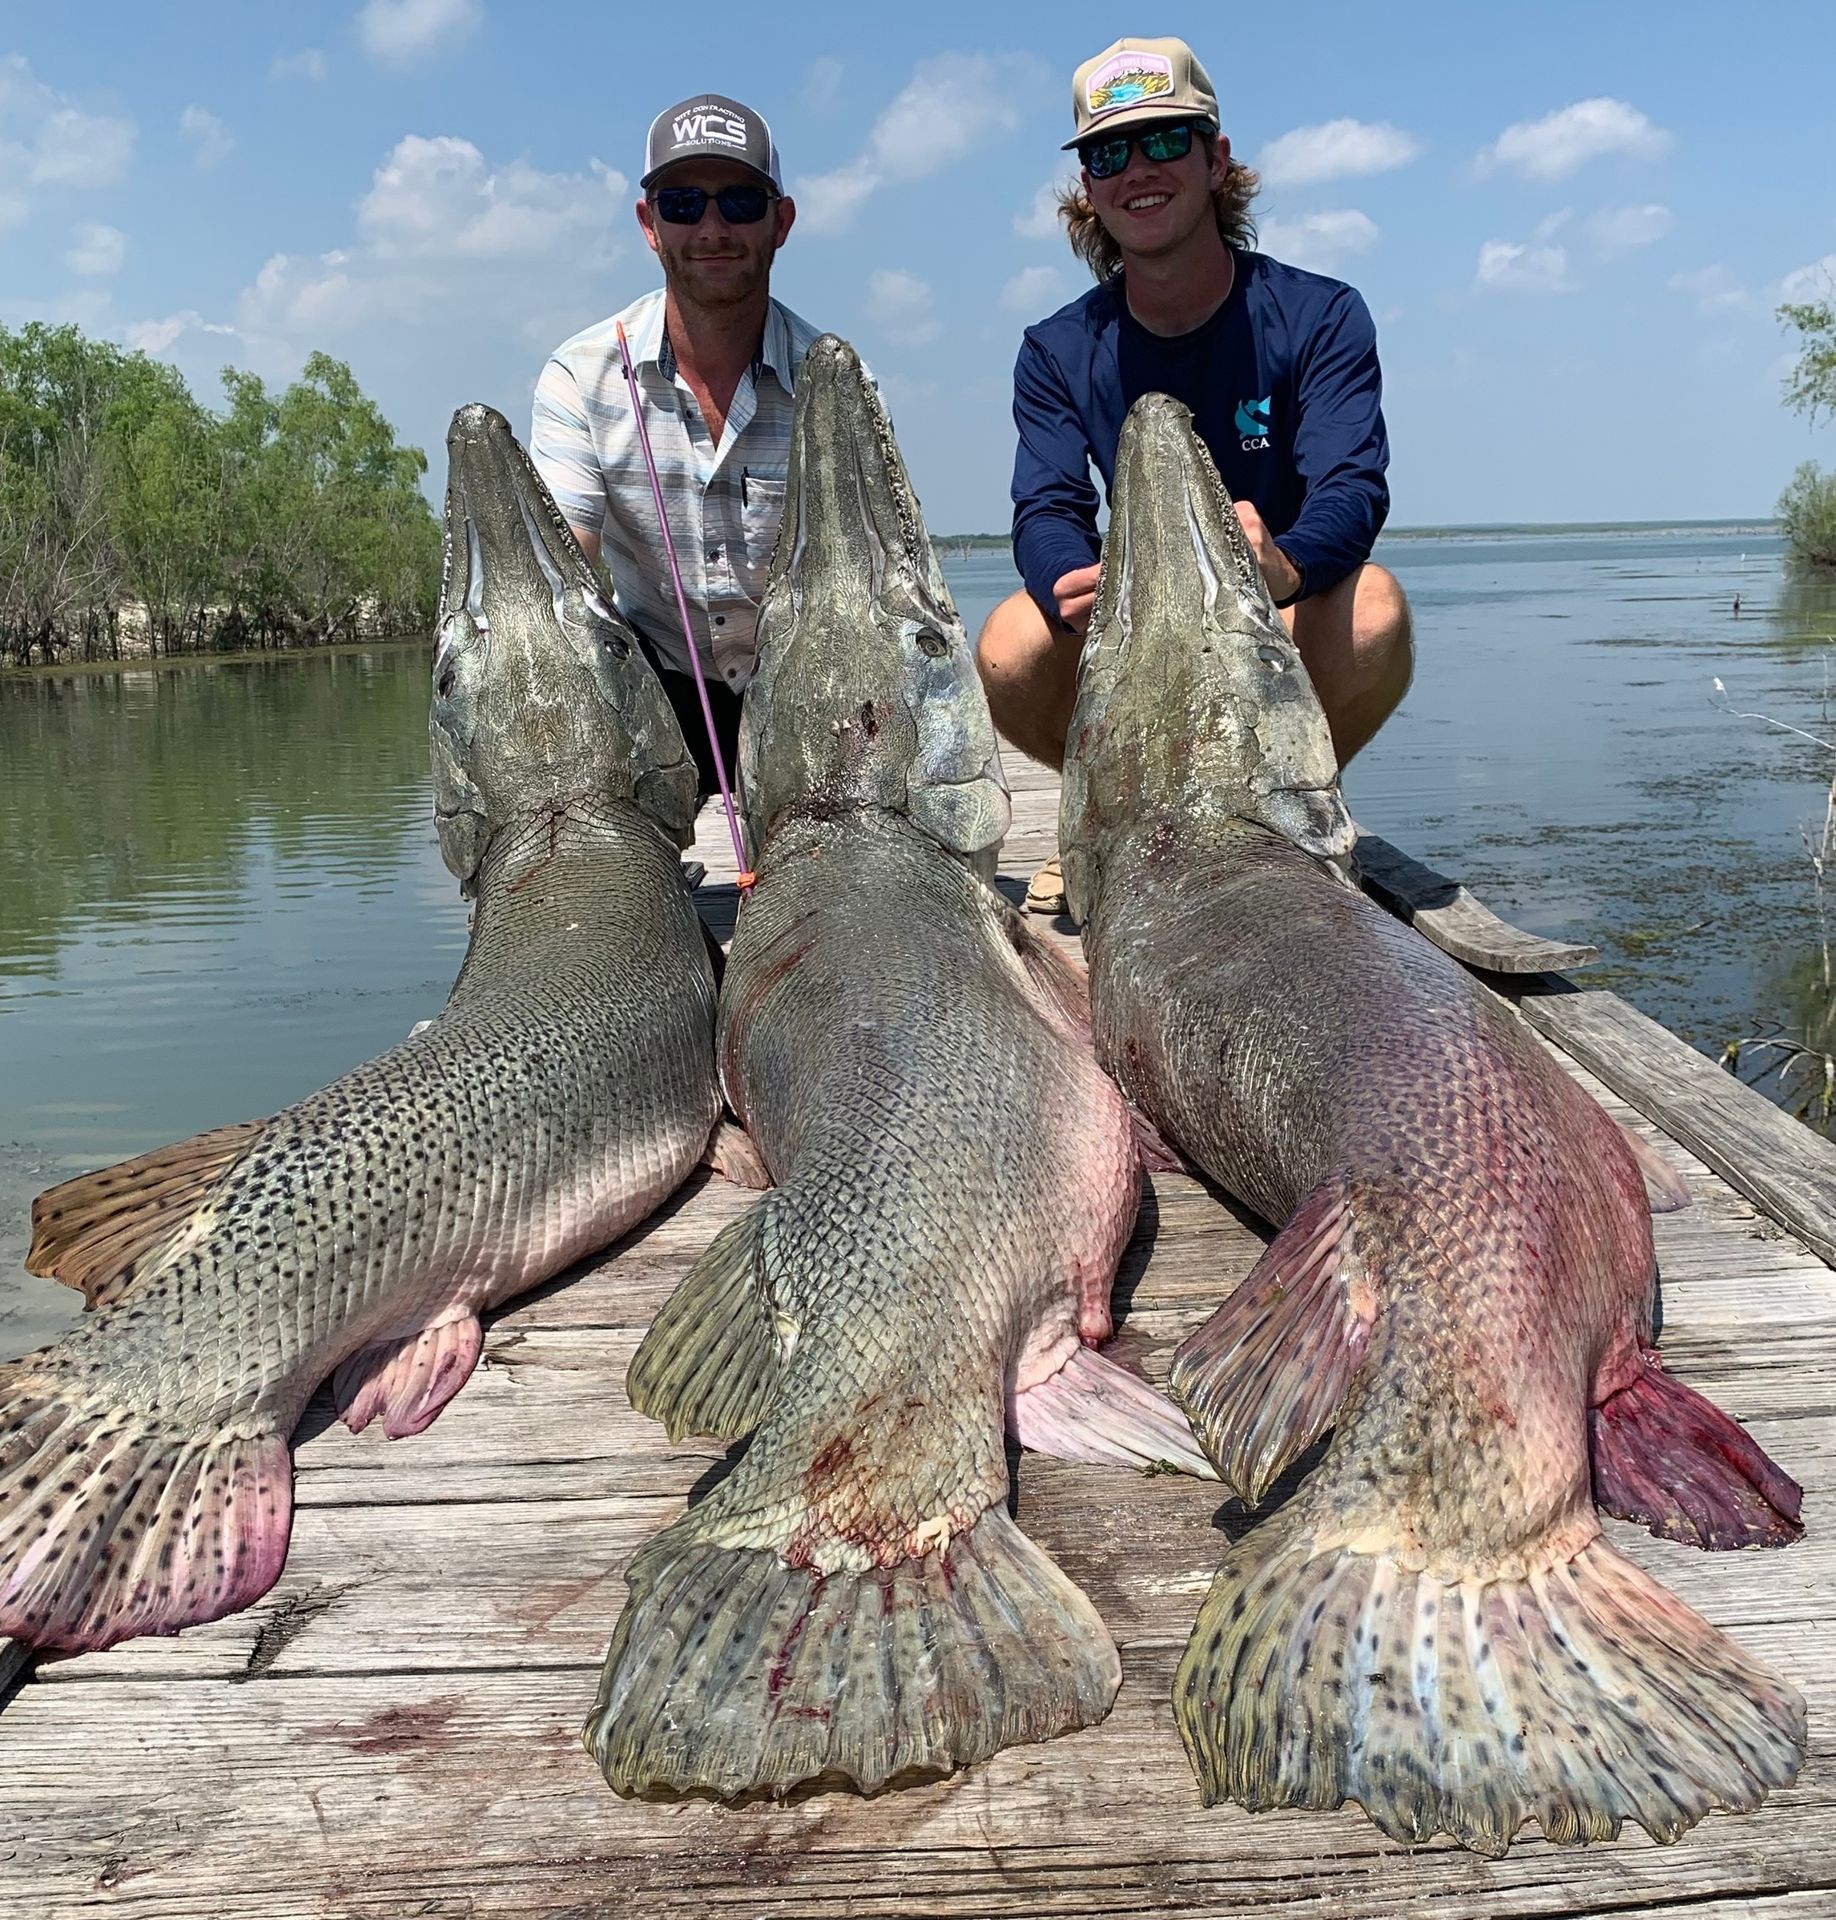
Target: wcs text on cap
<point>709,126</point>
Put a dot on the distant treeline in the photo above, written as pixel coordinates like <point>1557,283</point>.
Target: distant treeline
<point>135,521</point>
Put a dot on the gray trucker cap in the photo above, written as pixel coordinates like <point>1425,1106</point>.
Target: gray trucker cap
<point>710,126</point>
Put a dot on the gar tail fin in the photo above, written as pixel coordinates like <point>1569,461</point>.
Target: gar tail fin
<point>97,1231</point>
<point>1580,1697</point>
<point>114,1523</point>
<point>734,1672</point>
<point>1264,1376</point>
<point>1673,1461</point>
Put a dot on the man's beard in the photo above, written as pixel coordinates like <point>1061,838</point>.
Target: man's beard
<point>729,289</point>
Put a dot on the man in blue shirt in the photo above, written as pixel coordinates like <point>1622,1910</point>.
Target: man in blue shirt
<point>1278,366</point>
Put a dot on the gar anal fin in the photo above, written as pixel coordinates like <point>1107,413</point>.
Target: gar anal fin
<point>1673,1461</point>
<point>1093,1410</point>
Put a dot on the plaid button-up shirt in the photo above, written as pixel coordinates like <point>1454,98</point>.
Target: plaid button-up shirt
<point>724,502</point>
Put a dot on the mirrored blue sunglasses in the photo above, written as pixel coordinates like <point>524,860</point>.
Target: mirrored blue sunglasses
<point>1167,141</point>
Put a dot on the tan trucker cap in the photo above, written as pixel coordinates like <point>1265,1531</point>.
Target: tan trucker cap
<point>1136,81</point>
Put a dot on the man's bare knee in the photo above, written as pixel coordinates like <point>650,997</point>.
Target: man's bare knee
<point>1029,674</point>
<point>1383,639</point>
<point>1355,639</point>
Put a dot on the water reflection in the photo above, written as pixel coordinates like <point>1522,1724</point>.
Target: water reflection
<point>218,889</point>
<point>1805,609</point>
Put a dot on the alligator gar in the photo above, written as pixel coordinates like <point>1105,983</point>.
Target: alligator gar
<point>1462,1286</point>
<point>955,1181</point>
<point>565,1089</point>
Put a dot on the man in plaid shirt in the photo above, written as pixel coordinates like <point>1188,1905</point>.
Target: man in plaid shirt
<point>716,360</point>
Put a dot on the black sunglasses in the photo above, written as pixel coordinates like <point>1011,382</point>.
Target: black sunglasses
<point>739,206</point>
<point>1107,158</point>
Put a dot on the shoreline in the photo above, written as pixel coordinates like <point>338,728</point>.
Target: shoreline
<point>246,656</point>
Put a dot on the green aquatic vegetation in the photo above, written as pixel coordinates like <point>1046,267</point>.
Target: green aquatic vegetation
<point>136,522</point>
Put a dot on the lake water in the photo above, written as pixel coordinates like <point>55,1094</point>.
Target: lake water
<point>220,887</point>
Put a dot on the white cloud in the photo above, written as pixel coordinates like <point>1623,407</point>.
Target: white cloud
<point>1814,282</point>
<point>1319,241</point>
<point>1040,221</point>
<point>209,139</point>
<point>828,202</point>
<point>1513,266</point>
<point>1033,291</point>
<point>435,199</point>
<point>455,279</point>
<point>1335,150</point>
<point>439,232</point>
<point>951,103</point>
<point>13,209</point>
<point>400,32</point>
<point>46,141</point>
<point>902,306</point>
<point>1561,142</point>
<point>822,84</point>
<point>307,64</point>
<point>1714,289</point>
<point>97,250</point>
<point>155,336</point>
<point>1619,229</point>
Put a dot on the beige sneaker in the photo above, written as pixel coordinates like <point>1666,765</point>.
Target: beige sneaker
<point>1046,892</point>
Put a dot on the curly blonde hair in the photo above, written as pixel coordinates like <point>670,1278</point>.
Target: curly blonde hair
<point>1093,243</point>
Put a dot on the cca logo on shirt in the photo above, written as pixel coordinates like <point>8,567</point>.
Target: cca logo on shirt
<point>1253,420</point>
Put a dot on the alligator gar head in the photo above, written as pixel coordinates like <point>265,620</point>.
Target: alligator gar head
<point>541,696</point>
<point>866,693</point>
<point>1192,698</point>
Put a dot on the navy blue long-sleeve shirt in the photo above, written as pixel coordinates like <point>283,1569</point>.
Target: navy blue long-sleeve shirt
<point>1284,389</point>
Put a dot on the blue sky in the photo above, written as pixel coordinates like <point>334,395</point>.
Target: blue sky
<point>1572,222</point>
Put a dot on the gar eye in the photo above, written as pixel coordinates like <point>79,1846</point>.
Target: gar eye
<point>1273,657</point>
<point>443,681</point>
<point>932,644</point>
<point>615,643</point>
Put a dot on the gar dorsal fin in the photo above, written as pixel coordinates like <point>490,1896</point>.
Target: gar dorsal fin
<point>96,1232</point>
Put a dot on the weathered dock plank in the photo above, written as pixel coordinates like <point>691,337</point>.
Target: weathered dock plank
<point>1784,1168</point>
<point>395,1728</point>
<point>1445,912</point>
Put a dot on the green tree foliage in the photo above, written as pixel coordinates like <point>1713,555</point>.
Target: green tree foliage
<point>1808,504</point>
<point>134,519</point>
<point>1808,509</point>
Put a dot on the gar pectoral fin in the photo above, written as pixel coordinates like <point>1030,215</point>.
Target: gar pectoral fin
<point>98,1231</point>
<point>1264,1376</point>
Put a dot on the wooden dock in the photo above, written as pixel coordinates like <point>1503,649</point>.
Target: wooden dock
<point>395,1729</point>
